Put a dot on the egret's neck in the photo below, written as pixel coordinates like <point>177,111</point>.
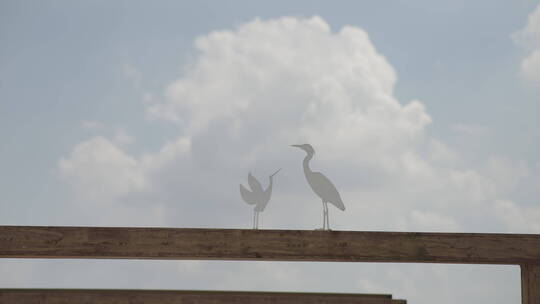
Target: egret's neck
<point>308,157</point>
<point>270,184</point>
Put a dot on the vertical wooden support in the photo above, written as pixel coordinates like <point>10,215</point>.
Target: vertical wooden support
<point>530,284</point>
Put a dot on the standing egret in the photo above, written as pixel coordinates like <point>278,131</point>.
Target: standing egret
<point>257,196</point>
<point>321,185</point>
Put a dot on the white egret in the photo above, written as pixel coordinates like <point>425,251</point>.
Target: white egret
<point>257,196</point>
<point>321,185</point>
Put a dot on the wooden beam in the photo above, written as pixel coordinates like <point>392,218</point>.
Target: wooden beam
<point>530,284</point>
<point>110,296</point>
<point>267,245</point>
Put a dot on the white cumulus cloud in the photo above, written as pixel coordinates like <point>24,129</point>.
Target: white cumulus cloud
<point>98,168</point>
<point>529,38</point>
<point>256,89</point>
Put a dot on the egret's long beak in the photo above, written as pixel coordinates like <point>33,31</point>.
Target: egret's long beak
<point>275,172</point>
<point>298,146</point>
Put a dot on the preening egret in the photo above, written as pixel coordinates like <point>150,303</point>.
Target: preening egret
<point>257,196</point>
<point>321,185</point>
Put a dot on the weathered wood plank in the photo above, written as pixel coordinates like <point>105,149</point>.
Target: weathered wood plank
<point>267,245</point>
<point>109,296</point>
<point>530,284</point>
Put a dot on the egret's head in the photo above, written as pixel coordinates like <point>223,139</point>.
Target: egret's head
<point>306,147</point>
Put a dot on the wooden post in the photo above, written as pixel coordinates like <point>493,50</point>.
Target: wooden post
<point>530,284</point>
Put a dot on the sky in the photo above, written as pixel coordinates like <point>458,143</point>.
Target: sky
<point>424,114</point>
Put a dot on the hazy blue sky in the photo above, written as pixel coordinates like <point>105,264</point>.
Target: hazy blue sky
<point>138,113</point>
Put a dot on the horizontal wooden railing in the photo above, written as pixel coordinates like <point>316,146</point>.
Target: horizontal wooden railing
<point>110,296</point>
<point>267,245</point>
<point>278,245</point>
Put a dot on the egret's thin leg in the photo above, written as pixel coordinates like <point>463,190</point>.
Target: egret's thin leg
<point>253,221</point>
<point>324,213</point>
<point>257,220</point>
<point>324,217</point>
<point>327,218</point>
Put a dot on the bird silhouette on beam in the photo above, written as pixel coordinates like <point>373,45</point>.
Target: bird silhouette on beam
<point>321,185</point>
<point>257,196</point>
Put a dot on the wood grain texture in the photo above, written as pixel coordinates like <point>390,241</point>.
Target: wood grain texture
<point>530,284</point>
<point>267,245</point>
<point>104,296</point>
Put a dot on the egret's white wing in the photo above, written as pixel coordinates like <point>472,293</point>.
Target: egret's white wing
<point>265,198</point>
<point>248,196</point>
<point>255,185</point>
<point>324,188</point>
